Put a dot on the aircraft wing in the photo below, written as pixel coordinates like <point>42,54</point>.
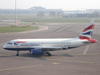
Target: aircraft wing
<point>51,47</point>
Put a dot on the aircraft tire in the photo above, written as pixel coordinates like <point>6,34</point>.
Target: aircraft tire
<point>48,54</point>
<point>17,54</point>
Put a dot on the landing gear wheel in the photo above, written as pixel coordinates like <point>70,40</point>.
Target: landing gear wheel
<point>49,54</point>
<point>29,50</point>
<point>17,53</point>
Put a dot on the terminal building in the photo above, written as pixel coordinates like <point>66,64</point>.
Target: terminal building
<point>83,13</point>
<point>32,10</point>
<point>40,11</point>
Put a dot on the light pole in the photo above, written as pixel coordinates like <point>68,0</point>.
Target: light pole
<point>15,15</point>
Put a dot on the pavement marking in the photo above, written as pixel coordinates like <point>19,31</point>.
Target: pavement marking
<point>86,54</point>
<point>20,68</point>
<point>55,63</point>
<point>62,29</point>
<point>86,49</point>
<point>71,61</point>
<point>7,55</point>
<point>30,56</point>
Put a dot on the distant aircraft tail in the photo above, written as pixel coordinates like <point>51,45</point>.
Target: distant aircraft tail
<point>87,32</point>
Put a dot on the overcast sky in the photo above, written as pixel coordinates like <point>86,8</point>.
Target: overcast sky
<point>51,4</point>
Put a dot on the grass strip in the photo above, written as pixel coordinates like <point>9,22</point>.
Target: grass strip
<point>8,29</point>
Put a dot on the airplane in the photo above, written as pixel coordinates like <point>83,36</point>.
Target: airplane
<point>41,46</point>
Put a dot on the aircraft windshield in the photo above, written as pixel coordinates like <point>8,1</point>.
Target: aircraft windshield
<point>9,43</point>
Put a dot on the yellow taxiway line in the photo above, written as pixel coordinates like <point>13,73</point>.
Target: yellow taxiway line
<point>71,61</point>
<point>55,63</point>
<point>20,67</point>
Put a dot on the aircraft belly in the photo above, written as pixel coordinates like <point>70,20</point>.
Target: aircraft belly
<point>20,49</point>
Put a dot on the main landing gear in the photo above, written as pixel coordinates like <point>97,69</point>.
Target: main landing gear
<point>17,53</point>
<point>49,54</point>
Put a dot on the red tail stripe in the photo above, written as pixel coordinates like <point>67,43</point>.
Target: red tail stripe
<point>90,27</point>
<point>92,40</point>
<point>83,37</point>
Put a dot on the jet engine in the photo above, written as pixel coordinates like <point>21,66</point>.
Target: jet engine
<point>37,52</point>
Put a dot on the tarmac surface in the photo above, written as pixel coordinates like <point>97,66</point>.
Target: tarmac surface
<point>66,62</point>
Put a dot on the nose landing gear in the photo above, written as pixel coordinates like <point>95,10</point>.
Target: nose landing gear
<point>17,53</point>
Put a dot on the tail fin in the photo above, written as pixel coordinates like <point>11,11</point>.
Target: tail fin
<point>87,32</point>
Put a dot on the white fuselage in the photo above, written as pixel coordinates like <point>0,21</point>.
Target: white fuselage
<point>28,44</point>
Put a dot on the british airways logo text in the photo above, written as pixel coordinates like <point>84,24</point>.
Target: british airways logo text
<point>30,44</point>
<point>16,43</point>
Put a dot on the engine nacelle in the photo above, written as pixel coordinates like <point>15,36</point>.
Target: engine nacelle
<point>37,52</point>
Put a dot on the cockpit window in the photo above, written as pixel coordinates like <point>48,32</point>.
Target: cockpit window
<point>9,43</point>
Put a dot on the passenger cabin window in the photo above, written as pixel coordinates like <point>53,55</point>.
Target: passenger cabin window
<point>9,43</point>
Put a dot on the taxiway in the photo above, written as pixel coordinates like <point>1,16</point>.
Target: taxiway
<point>67,62</point>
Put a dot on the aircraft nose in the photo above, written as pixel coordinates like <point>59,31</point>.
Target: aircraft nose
<point>4,46</point>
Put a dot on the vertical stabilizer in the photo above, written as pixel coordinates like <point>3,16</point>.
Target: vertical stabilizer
<point>87,32</point>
